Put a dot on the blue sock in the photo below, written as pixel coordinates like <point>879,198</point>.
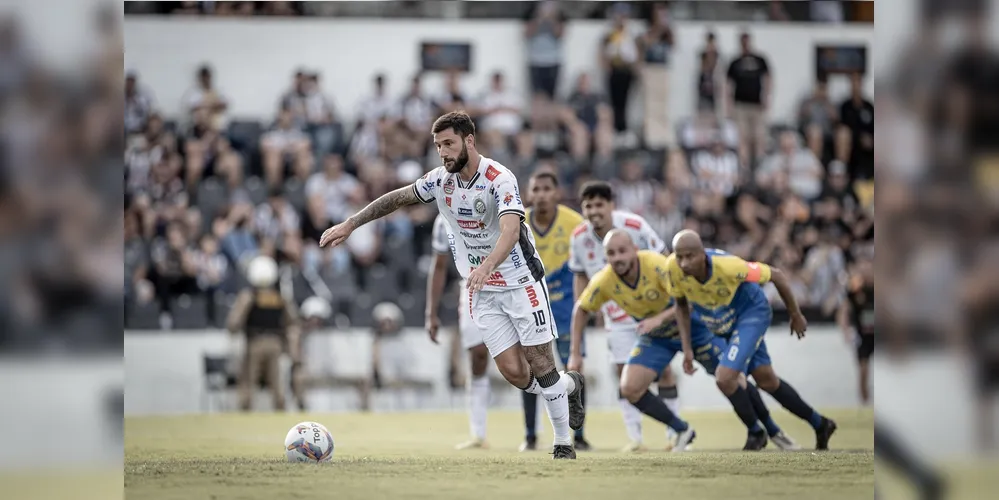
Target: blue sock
<point>744,409</point>
<point>530,414</point>
<point>789,398</point>
<point>762,411</point>
<point>654,407</point>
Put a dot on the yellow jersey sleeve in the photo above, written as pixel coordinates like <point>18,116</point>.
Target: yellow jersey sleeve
<point>595,293</point>
<point>743,271</point>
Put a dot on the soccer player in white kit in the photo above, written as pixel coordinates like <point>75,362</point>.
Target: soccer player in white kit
<point>494,251</point>
<point>586,258</point>
<point>471,339</point>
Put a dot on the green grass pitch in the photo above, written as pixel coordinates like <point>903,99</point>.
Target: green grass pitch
<point>412,455</point>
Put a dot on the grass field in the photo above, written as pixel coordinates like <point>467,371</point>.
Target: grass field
<point>411,455</point>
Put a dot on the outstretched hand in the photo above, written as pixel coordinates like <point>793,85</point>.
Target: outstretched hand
<point>336,234</point>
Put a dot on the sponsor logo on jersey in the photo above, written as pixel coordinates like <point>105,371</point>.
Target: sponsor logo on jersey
<point>447,201</point>
<point>507,199</point>
<point>589,243</point>
<point>480,247</point>
<point>580,229</point>
<point>515,259</point>
<point>428,186</point>
<point>532,296</point>
<point>464,212</point>
<point>480,206</point>
<point>449,186</point>
<point>470,224</point>
<point>494,279</point>
<point>474,236</point>
<point>633,223</point>
<point>480,187</point>
<point>492,172</point>
<point>652,295</point>
<point>475,260</point>
<point>523,280</point>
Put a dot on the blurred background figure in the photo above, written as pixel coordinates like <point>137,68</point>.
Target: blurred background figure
<point>315,313</point>
<point>391,360</point>
<point>544,47</point>
<point>270,327</point>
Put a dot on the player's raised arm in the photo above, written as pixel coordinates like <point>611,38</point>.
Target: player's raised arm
<point>384,205</point>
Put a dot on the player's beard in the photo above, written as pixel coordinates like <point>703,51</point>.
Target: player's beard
<point>627,268</point>
<point>460,161</point>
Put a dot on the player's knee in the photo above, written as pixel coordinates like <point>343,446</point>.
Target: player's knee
<point>514,372</point>
<point>766,380</point>
<point>479,357</point>
<point>631,391</point>
<point>727,380</point>
<point>667,377</point>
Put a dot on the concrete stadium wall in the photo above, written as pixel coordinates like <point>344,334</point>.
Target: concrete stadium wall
<point>163,371</point>
<point>255,58</point>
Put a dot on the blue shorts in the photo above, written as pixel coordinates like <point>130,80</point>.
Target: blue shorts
<point>745,349</point>
<point>656,353</point>
<point>564,343</point>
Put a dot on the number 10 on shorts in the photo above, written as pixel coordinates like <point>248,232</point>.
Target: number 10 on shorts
<point>539,317</point>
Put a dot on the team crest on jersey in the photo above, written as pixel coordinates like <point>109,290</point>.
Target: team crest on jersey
<point>652,295</point>
<point>480,206</point>
<point>449,186</point>
<point>492,172</point>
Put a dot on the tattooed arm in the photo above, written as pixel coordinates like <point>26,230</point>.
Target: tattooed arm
<point>384,205</point>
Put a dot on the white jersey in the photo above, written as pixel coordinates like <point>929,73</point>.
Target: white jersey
<point>586,255</point>
<point>471,211</point>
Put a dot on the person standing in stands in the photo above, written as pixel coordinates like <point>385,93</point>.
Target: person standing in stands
<point>270,324</point>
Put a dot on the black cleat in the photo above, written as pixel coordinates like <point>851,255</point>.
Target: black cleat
<point>577,413</point>
<point>755,441</point>
<point>581,444</point>
<point>529,444</point>
<point>563,452</point>
<point>823,433</point>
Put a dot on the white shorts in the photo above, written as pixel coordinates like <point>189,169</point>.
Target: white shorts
<point>507,317</point>
<point>620,342</point>
<point>470,336</point>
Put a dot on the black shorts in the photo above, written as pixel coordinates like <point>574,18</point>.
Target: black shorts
<point>865,347</point>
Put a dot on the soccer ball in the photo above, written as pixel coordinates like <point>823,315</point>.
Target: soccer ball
<point>308,442</point>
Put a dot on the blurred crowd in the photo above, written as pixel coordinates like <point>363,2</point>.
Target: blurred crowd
<point>206,193</point>
<point>60,199</point>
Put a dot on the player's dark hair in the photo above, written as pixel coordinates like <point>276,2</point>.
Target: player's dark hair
<point>596,189</point>
<point>458,120</point>
<point>544,174</point>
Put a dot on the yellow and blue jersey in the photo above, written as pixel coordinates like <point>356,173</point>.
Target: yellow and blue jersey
<point>647,297</point>
<point>731,291</point>
<point>552,244</point>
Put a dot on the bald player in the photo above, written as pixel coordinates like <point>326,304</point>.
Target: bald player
<point>724,293</point>
<point>644,296</point>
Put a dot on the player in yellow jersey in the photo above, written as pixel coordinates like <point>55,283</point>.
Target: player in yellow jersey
<point>723,293</point>
<point>552,224</point>
<point>636,281</point>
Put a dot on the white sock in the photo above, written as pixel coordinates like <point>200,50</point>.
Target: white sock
<point>674,406</point>
<point>557,403</point>
<point>632,420</point>
<point>478,405</point>
<point>534,387</point>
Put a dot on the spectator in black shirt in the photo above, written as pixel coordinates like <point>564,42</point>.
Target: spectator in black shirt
<point>857,115</point>
<point>749,99</point>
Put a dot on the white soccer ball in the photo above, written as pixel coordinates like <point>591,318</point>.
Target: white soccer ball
<point>262,272</point>
<point>308,442</point>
